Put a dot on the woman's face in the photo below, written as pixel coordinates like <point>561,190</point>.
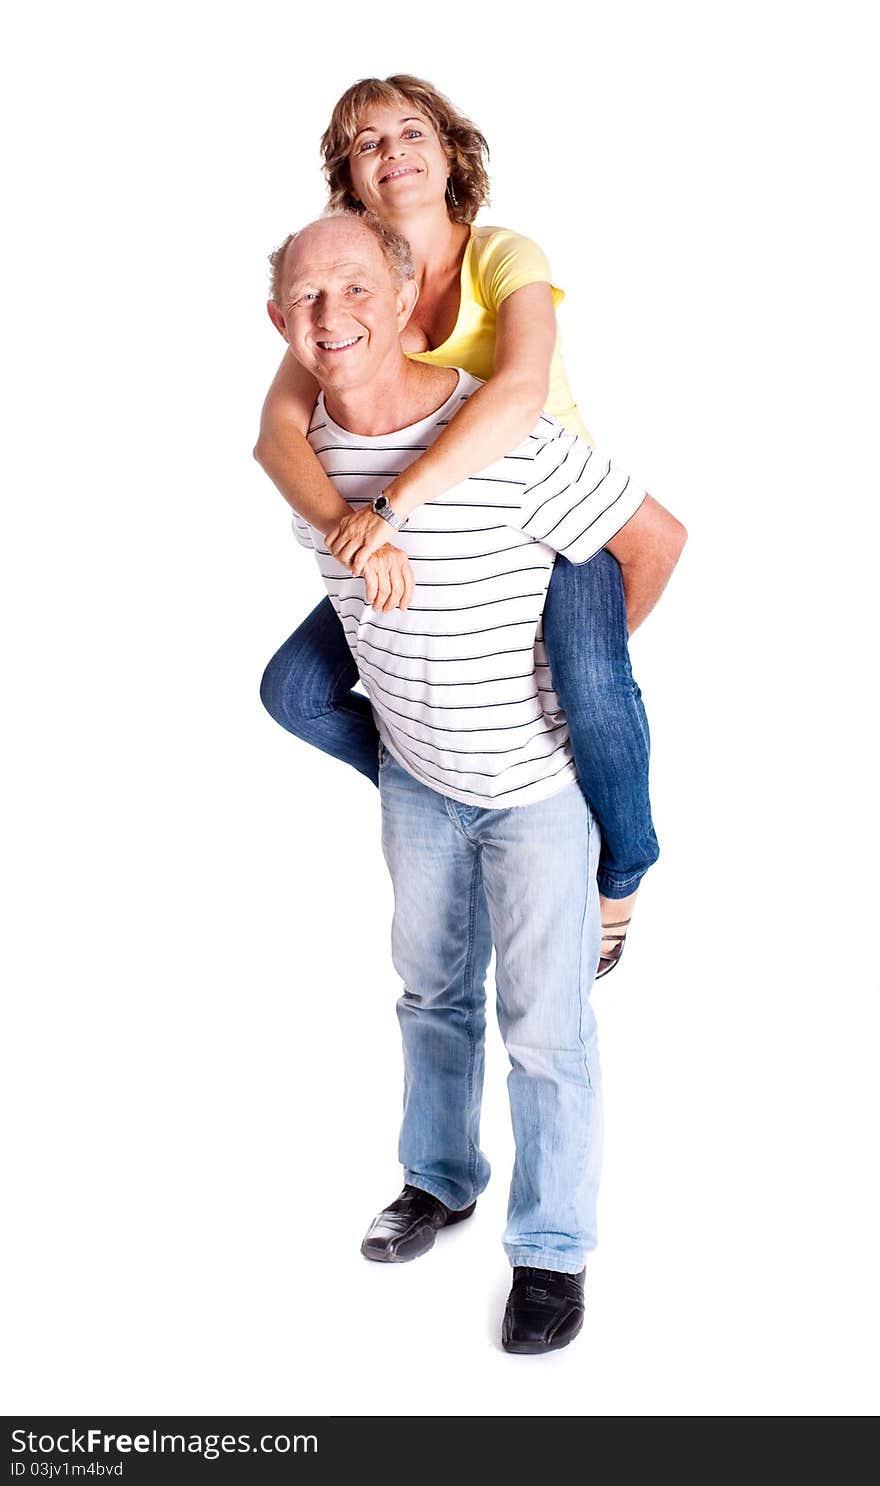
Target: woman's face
<point>397,161</point>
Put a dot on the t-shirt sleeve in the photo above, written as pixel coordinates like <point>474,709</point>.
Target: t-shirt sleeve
<point>302,531</point>
<point>508,262</point>
<point>576,500</point>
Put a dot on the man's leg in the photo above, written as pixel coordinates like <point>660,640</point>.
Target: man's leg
<point>441,946</point>
<point>539,869</point>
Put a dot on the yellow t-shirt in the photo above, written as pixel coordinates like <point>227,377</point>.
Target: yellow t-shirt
<point>496,262</point>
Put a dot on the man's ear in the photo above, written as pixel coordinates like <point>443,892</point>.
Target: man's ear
<point>407,295</point>
<point>277,318</point>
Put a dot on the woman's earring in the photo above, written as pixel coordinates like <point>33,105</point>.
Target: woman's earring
<point>450,191</point>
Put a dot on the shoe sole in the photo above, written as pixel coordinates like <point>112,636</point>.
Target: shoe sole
<point>534,1349</point>
<point>389,1256</point>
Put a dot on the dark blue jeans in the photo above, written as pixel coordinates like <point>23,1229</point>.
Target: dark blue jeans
<point>308,688</point>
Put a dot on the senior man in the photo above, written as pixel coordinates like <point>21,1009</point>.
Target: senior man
<point>486,833</point>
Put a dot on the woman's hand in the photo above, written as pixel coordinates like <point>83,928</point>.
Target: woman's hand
<point>356,537</point>
<point>388,578</point>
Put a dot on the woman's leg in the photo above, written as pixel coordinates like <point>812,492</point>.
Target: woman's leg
<point>585,635</point>
<point>307,688</point>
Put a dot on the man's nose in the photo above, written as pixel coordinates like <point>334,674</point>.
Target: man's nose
<point>326,312</point>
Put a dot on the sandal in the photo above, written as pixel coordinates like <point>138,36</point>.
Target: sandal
<point>608,962</point>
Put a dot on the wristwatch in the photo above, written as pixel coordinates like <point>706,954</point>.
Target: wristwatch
<point>382,507</point>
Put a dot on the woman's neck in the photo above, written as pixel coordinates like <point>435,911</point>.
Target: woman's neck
<point>437,242</point>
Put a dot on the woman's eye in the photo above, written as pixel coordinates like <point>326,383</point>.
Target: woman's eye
<point>413,134</point>
<point>356,289</point>
<point>368,144</point>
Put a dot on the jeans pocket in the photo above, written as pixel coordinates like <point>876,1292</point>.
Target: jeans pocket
<point>384,755</point>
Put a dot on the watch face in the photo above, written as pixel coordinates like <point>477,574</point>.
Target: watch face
<point>381,503</point>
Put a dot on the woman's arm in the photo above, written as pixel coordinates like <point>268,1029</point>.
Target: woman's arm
<point>493,421</point>
<point>288,459</point>
<point>286,454</point>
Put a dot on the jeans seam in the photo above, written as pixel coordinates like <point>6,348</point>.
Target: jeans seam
<point>450,811</point>
<point>334,687</point>
<point>633,879</point>
<point>580,974</point>
<point>469,976</point>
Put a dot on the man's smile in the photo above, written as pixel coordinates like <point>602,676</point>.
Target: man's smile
<point>345,345</point>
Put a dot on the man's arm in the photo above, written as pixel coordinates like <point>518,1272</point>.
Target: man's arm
<point>647,548</point>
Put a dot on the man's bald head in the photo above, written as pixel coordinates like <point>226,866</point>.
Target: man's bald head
<point>343,289</point>
<point>394,248</point>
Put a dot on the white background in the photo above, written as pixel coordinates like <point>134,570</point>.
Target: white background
<point>202,1060</point>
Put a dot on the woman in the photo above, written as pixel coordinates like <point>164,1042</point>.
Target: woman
<point>399,149</point>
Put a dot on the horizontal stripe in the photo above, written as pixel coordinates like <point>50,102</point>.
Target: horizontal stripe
<point>382,449</point>
<point>507,727</point>
<point>499,773</point>
<point>449,582</point>
<point>475,556</point>
<point>435,531</point>
<point>457,608</point>
<point>447,706</point>
<point>470,505</point>
<point>502,794</point>
<point>424,681</point>
<point>428,634</point>
<point>483,604</point>
<point>451,531</point>
<point>483,752</point>
<point>433,685</point>
<point>443,660</point>
<point>495,480</point>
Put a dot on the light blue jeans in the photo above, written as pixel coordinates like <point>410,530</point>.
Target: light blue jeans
<point>523,879</point>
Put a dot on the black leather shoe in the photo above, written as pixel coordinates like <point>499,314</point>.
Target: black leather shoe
<point>407,1228</point>
<point>544,1310</point>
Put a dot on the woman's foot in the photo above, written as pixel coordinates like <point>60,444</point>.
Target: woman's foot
<point>616,915</point>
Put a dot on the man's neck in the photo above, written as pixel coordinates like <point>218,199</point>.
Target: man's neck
<point>400,395</point>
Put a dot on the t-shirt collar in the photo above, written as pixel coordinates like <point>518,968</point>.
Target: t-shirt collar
<point>344,435</point>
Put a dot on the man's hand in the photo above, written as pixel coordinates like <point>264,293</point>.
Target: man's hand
<point>357,537</point>
<point>388,578</point>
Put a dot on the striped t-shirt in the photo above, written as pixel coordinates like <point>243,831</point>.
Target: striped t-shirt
<point>459,683</point>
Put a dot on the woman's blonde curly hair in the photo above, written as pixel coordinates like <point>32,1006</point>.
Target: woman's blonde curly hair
<point>465,146</point>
